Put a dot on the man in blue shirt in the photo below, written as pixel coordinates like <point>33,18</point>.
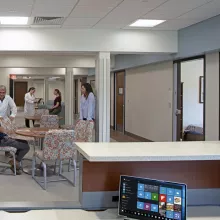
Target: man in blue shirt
<point>21,146</point>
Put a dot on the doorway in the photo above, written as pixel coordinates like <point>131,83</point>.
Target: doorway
<point>189,100</point>
<point>119,95</point>
<point>20,89</point>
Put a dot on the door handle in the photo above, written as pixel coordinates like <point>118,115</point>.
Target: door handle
<point>178,112</point>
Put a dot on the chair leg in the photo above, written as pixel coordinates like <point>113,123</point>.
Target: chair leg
<point>60,167</point>
<point>33,166</point>
<point>45,175</point>
<point>55,167</point>
<point>75,170</point>
<point>14,161</point>
<point>69,165</point>
<point>21,164</point>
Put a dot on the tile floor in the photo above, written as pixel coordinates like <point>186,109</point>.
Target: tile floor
<point>24,189</point>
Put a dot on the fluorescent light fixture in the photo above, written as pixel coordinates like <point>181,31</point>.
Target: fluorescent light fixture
<point>146,23</point>
<point>13,20</point>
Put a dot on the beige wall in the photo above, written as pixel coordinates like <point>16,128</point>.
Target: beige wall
<point>212,97</point>
<point>148,107</point>
<point>56,85</point>
<point>5,72</point>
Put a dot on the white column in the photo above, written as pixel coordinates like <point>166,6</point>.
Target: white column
<point>46,91</point>
<point>102,77</point>
<point>69,96</point>
<point>212,97</point>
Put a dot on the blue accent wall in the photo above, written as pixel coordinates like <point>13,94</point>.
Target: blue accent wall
<point>129,61</point>
<point>195,40</point>
<point>91,71</point>
<point>199,38</point>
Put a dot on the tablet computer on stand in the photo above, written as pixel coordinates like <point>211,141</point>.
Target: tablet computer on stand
<point>147,199</point>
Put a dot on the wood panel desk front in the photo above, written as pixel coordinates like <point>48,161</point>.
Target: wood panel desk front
<point>195,163</point>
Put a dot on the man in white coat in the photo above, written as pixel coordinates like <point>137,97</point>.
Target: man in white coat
<point>7,104</point>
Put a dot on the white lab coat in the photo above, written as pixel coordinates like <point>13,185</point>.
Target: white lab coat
<point>29,105</point>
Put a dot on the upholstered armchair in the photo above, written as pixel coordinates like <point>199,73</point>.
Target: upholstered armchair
<point>13,151</point>
<point>83,133</point>
<point>49,121</point>
<point>10,129</point>
<point>58,146</point>
<point>40,112</point>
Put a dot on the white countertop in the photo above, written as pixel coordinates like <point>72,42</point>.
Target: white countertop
<point>194,213</point>
<point>149,151</point>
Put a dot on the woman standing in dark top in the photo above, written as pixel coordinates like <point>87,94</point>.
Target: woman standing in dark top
<point>56,109</point>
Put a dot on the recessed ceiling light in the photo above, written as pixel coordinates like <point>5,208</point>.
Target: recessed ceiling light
<point>146,23</point>
<point>14,20</point>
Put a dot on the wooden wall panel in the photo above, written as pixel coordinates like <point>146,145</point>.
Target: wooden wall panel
<point>104,176</point>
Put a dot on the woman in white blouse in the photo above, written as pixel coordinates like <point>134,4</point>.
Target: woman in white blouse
<point>87,103</point>
<point>29,106</point>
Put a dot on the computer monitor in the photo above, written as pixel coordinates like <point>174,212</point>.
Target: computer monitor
<point>146,199</point>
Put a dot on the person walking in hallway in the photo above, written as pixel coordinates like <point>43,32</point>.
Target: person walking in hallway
<point>29,105</point>
<point>87,103</point>
<point>7,108</point>
<point>56,109</point>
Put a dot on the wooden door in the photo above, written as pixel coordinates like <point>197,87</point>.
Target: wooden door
<point>20,89</point>
<point>76,96</point>
<point>120,96</point>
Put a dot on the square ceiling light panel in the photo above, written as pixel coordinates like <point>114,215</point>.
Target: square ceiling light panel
<point>146,23</point>
<point>13,20</point>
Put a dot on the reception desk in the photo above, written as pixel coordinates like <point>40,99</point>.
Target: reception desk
<point>195,163</point>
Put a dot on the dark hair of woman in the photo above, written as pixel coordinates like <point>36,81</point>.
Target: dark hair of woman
<point>32,88</point>
<point>88,88</point>
<point>58,92</point>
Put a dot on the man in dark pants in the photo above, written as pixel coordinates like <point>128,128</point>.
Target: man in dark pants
<point>21,146</point>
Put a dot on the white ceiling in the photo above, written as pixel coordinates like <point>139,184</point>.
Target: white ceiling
<point>114,14</point>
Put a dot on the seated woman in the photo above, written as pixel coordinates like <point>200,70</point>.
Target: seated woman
<point>56,109</point>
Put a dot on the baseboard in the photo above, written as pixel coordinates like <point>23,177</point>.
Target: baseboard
<point>104,200</point>
<point>26,206</point>
<point>137,137</point>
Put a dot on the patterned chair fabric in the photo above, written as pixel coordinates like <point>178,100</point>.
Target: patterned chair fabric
<point>9,149</point>
<point>83,131</point>
<point>68,127</point>
<point>40,112</point>
<point>10,128</point>
<point>49,121</point>
<point>58,145</point>
<point>194,128</point>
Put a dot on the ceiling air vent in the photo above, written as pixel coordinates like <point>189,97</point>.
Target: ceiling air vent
<point>48,20</point>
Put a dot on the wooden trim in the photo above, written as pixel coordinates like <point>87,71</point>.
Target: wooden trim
<point>104,176</point>
<point>137,137</point>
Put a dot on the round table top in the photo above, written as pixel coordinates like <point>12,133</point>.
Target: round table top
<point>33,132</point>
<point>37,118</point>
